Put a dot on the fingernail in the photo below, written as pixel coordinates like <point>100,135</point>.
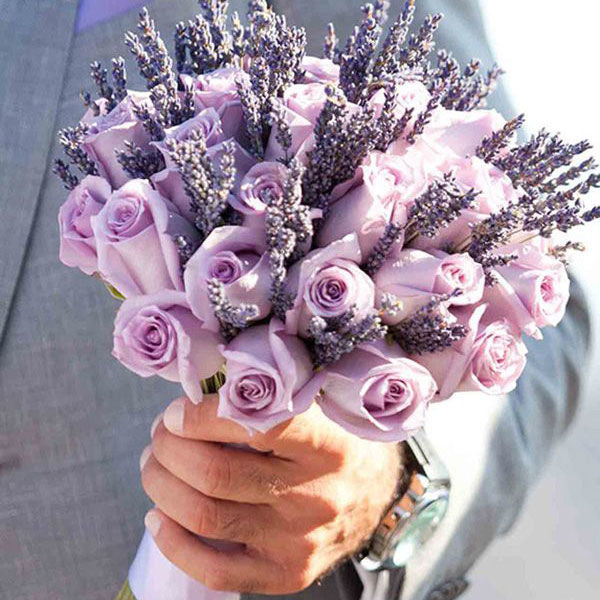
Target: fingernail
<point>173,418</point>
<point>144,457</point>
<point>155,424</point>
<point>152,522</point>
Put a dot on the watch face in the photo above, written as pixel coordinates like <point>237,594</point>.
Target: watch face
<point>419,528</point>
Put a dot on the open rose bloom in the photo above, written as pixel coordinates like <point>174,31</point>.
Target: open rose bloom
<point>363,234</point>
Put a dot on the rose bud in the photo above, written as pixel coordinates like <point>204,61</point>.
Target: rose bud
<point>463,131</point>
<point>215,89</point>
<point>269,378</point>
<point>377,393</point>
<point>532,291</point>
<point>235,256</point>
<point>327,283</point>
<point>207,122</point>
<point>77,241</point>
<point>389,186</point>
<point>109,132</point>
<point>158,335</point>
<point>410,95</point>
<point>415,277</point>
<point>496,191</point>
<point>135,233</point>
<point>261,181</point>
<point>490,358</point>
<point>320,70</point>
<point>169,184</point>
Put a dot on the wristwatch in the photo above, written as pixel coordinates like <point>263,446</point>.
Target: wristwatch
<point>415,514</point>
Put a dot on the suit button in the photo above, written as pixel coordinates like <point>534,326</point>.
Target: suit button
<point>449,590</point>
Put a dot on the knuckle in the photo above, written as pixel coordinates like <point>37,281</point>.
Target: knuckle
<point>217,474</point>
<point>205,515</point>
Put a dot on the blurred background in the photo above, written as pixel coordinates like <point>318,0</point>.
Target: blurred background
<point>550,50</point>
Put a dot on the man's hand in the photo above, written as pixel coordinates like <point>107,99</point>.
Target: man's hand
<point>310,496</point>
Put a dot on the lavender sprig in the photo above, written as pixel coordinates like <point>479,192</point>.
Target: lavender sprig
<point>355,66</point>
<point>138,163</point>
<point>149,121</point>
<point>283,133</point>
<point>330,45</point>
<point>437,207</point>
<point>207,186</point>
<point>100,78</point>
<point>428,329</point>
<point>90,104</point>
<point>333,338</point>
<point>342,140</point>
<point>119,75</point>
<point>62,170</point>
<point>420,44</point>
<point>491,146</point>
<point>71,139</point>
<point>387,64</point>
<point>288,223</point>
<point>392,234</point>
<point>155,65</point>
<point>232,319</point>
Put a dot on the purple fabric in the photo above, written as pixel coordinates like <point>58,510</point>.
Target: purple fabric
<point>92,12</point>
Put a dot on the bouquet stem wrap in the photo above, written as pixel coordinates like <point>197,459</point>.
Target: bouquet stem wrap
<point>152,576</point>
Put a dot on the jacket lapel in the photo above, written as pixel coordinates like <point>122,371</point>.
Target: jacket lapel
<point>35,40</point>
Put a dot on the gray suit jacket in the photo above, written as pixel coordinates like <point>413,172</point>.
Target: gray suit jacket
<point>73,422</point>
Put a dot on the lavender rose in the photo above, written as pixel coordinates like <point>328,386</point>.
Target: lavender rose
<point>532,291</point>
<point>207,122</point>
<point>320,70</point>
<point>490,358</point>
<point>236,257</point>
<point>134,234</point>
<point>158,335</point>
<point>269,378</point>
<point>77,241</point>
<point>414,277</point>
<point>377,393</point>
<point>327,283</point>
<point>389,186</point>
<point>108,132</point>
<point>262,180</point>
<point>215,89</point>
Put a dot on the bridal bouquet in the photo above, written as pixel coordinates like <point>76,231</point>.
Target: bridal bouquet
<point>356,230</point>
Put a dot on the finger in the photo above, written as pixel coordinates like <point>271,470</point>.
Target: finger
<point>291,440</point>
<point>221,472</point>
<point>200,422</point>
<point>218,570</point>
<point>200,514</point>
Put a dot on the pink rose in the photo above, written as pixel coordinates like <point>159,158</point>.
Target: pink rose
<point>389,186</point>
<point>411,94</point>
<point>269,378</point>
<point>531,292</point>
<point>206,122</point>
<point>320,70</point>
<point>77,242</point>
<point>215,89</point>
<point>414,277</point>
<point>302,104</point>
<point>263,179</point>
<point>490,358</point>
<point>158,335</point>
<point>306,100</point>
<point>463,131</point>
<point>377,393</point>
<point>327,283</point>
<point>169,184</point>
<point>496,191</point>
<point>134,234</point>
<point>108,132</point>
<point>236,256</point>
